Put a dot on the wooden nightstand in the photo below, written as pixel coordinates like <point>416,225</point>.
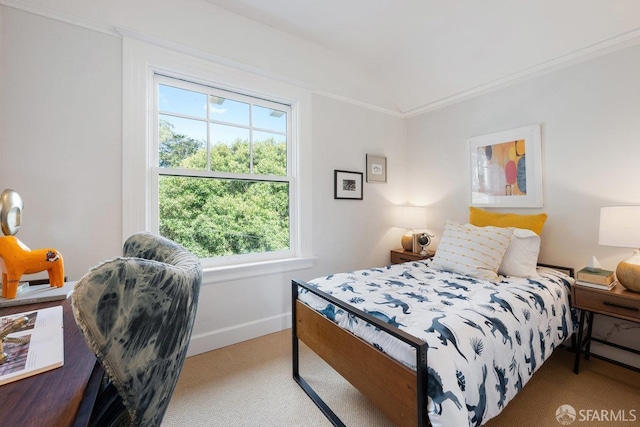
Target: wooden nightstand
<point>400,255</point>
<point>618,302</point>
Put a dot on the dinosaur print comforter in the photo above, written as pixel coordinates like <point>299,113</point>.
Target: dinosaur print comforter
<point>486,339</point>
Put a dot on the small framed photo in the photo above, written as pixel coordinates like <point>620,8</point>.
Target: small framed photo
<point>347,185</point>
<point>376,168</point>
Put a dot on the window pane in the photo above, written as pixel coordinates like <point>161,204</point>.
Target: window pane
<point>217,217</point>
<point>268,118</point>
<point>227,110</point>
<point>182,143</point>
<point>229,149</point>
<point>269,154</point>
<point>182,101</point>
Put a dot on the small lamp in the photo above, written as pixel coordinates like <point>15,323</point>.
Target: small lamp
<point>410,218</point>
<point>620,226</point>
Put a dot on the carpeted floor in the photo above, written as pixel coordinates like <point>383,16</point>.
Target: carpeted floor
<point>250,384</point>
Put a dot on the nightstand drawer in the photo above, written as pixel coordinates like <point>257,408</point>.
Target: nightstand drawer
<point>399,256</point>
<point>607,302</point>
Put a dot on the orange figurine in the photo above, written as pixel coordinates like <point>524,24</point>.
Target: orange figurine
<point>17,259</point>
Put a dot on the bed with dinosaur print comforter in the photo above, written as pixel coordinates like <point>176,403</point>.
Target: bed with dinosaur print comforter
<point>485,339</point>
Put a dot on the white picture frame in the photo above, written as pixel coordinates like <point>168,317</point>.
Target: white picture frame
<point>506,168</point>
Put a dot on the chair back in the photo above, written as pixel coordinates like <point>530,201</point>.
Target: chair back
<point>137,314</point>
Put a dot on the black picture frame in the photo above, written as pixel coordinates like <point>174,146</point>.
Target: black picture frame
<point>347,185</point>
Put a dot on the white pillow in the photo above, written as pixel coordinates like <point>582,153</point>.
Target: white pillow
<point>521,257</point>
<point>470,250</point>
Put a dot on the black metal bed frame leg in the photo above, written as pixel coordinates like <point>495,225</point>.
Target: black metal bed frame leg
<point>331,416</point>
<point>422,415</point>
<point>422,376</point>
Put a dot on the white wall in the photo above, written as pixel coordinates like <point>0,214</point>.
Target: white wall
<point>350,234</point>
<point>230,38</point>
<point>61,139</point>
<point>61,135</point>
<point>590,149</point>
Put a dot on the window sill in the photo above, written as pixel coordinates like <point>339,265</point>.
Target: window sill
<point>227,273</point>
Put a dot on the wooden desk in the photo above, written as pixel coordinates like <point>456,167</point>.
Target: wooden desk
<point>61,397</point>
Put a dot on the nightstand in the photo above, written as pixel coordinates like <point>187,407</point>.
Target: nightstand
<point>617,302</point>
<point>400,255</point>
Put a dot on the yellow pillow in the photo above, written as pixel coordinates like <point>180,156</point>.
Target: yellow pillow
<point>482,218</point>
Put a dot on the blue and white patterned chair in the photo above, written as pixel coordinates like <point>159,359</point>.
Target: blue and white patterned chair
<point>137,313</point>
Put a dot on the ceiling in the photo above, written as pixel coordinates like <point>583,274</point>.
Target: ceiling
<point>432,52</point>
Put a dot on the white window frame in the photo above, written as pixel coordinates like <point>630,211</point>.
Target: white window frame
<point>156,171</point>
<point>141,61</point>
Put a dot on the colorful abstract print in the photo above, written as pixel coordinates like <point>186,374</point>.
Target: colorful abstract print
<point>486,338</point>
<point>502,169</point>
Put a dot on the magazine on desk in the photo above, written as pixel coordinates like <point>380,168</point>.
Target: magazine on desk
<point>34,343</point>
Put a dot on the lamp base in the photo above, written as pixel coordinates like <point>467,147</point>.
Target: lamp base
<point>407,242</point>
<point>628,272</point>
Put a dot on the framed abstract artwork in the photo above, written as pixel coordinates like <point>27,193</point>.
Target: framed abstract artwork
<point>347,185</point>
<point>506,168</point>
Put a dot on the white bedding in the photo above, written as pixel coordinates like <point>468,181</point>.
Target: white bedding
<point>485,338</point>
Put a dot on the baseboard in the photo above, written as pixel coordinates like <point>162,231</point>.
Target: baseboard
<point>208,341</point>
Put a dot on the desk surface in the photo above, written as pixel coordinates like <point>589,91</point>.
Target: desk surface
<point>53,397</point>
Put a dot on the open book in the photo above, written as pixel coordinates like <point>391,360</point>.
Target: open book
<point>34,343</point>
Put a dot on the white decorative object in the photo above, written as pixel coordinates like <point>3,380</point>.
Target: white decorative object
<point>594,264</point>
<point>424,240</point>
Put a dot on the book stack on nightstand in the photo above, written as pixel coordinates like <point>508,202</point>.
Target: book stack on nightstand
<point>599,279</point>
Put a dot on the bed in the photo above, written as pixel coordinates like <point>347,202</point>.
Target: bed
<point>429,345</point>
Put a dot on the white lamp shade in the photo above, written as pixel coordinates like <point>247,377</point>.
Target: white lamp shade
<point>620,226</point>
<point>411,217</point>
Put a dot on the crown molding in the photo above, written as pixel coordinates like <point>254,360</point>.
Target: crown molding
<point>121,32</point>
<point>62,17</point>
<point>362,104</point>
<point>595,50</point>
<point>603,47</point>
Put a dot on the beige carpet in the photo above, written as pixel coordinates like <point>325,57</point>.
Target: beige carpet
<point>250,384</point>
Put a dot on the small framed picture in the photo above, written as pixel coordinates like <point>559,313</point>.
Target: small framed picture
<point>376,168</point>
<point>347,185</point>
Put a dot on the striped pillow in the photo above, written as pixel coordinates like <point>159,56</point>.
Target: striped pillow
<point>470,250</point>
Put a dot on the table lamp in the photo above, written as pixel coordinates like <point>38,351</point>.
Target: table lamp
<point>620,226</point>
<point>410,218</point>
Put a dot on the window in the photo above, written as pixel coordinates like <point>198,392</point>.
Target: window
<point>221,172</point>
<point>145,67</point>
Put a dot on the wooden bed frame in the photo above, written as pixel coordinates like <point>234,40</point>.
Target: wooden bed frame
<point>400,394</point>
